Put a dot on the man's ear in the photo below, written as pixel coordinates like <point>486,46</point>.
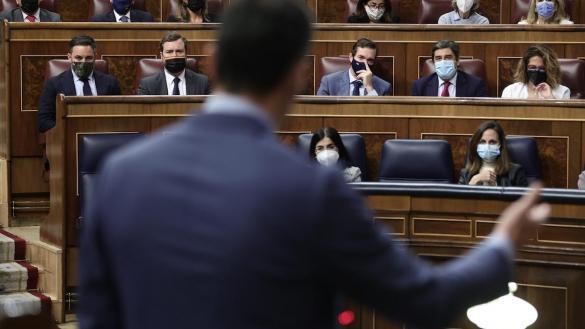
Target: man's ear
<point>69,56</point>
<point>350,57</point>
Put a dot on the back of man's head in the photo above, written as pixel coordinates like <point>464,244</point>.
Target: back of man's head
<point>260,42</point>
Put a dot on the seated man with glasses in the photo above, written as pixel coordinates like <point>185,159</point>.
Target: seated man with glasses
<point>359,80</point>
<point>373,11</point>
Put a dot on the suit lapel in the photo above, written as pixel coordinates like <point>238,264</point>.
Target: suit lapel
<point>162,82</point>
<point>17,15</point>
<point>43,16</point>
<point>433,86</point>
<point>69,84</point>
<point>111,17</point>
<point>460,90</point>
<point>100,86</point>
<point>344,84</point>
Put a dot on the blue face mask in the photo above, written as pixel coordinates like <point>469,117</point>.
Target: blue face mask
<point>545,9</point>
<point>122,7</point>
<point>445,69</point>
<point>488,152</point>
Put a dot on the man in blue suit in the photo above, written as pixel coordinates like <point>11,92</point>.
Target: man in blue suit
<point>356,83</point>
<point>123,12</point>
<point>448,80</point>
<point>80,80</point>
<point>216,224</point>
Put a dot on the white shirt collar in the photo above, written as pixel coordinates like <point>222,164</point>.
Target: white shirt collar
<point>170,77</point>
<point>453,80</point>
<point>37,15</point>
<point>118,16</point>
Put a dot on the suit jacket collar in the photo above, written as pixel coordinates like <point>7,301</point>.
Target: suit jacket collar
<point>343,83</point>
<point>161,80</point>
<point>432,87</point>
<point>100,84</point>
<point>17,15</point>
<point>69,83</point>
<point>190,82</point>
<point>44,16</point>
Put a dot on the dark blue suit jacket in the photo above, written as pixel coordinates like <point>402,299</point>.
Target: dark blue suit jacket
<point>337,84</point>
<point>136,16</point>
<point>467,86</point>
<point>215,224</point>
<point>63,84</point>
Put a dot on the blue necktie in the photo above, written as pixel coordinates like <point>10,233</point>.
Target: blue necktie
<point>357,84</point>
<point>124,19</point>
<point>86,88</point>
<point>176,81</point>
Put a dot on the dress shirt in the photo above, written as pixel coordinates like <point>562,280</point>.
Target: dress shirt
<point>452,86</point>
<point>79,84</point>
<point>170,84</point>
<point>520,90</point>
<point>37,16</point>
<point>353,78</point>
<point>453,17</point>
<point>118,16</point>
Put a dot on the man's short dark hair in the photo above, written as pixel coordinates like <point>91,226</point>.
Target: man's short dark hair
<point>82,40</point>
<point>171,37</point>
<point>363,43</point>
<point>259,43</point>
<point>454,46</point>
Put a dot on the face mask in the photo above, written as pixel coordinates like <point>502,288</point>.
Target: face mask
<point>82,69</point>
<point>29,6</point>
<point>445,69</point>
<point>195,5</point>
<point>176,65</point>
<point>536,76</point>
<point>374,14</point>
<point>488,152</point>
<point>122,7</point>
<point>328,157</point>
<point>545,9</point>
<point>465,5</point>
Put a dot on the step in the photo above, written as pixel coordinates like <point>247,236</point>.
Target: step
<point>18,304</point>
<point>18,276</point>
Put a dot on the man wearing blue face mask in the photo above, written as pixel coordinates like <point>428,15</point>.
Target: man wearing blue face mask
<point>448,80</point>
<point>123,12</point>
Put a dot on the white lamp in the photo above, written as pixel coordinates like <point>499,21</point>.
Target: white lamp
<point>506,312</point>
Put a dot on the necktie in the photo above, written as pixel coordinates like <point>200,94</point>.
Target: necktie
<point>357,84</point>
<point>445,92</point>
<point>124,19</point>
<point>176,87</point>
<point>86,88</point>
<point>31,19</point>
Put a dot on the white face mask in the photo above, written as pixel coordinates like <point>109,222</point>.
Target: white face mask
<point>328,157</point>
<point>374,14</point>
<point>465,5</point>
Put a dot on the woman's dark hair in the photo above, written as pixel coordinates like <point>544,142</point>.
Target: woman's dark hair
<point>475,162</point>
<point>551,64</point>
<point>321,133</point>
<point>360,11</point>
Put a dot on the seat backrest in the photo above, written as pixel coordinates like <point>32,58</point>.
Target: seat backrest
<point>92,150</point>
<point>98,7</point>
<point>416,161</point>
<point>474,67</point>
<point>354,144</point>
<point>524,151</point>
<point>573,76</point>
<point>382,68</point>
<point>520,9</point>
<point>50,5</point>
<point>57,66</point>
<point>430,10</point>
<point>350,6</point>
<point>151,66</point>
<point>214,7</point>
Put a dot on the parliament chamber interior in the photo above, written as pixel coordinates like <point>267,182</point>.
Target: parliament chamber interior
<point>410,149</point>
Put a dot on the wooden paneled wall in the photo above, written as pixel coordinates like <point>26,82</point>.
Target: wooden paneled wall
<point>326,11</point>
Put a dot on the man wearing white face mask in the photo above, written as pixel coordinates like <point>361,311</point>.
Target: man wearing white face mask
<point>464,12</point>
<point>448,80</point>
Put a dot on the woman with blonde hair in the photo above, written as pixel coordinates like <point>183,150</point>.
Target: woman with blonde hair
<point>538,76</point>
<point>192,11</point>
<point>546,12</point>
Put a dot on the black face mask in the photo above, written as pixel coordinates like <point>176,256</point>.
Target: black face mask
<point>176,65</point>
<point>536,76</point>
<point>195,5</point>
<point>29,6</point>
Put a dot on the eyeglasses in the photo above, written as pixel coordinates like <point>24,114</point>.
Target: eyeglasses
<point>373,5</point>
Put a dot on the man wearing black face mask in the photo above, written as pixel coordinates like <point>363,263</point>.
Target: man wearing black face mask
<point>192,11</point>
<point>80,80</point>
<point>175,79</point>
<point>28,11</point>
<point>123,12</point>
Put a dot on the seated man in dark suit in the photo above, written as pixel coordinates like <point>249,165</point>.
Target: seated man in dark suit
<point>175,79</point>
<point>359,81</point>
<point>123,13</point>
<point>28,11</point>
<point>80,80</point>
<point>448,81</point>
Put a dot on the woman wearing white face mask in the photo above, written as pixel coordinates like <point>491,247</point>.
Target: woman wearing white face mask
<point>489,162</point>
<point>464,12</point>
<point>328,149</point>
<point>373,11</point>
<point>546,12</point>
